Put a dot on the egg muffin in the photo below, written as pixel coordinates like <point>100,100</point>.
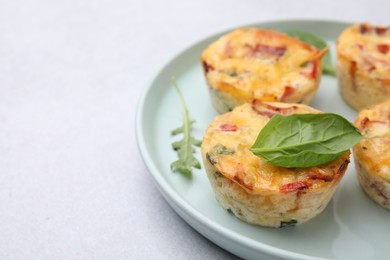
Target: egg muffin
<point>372,153</point>
<point>363,65</point>
<point>251,188</point>
<point>253,63</point>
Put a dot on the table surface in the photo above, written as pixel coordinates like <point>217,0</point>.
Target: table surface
<point>72,182</point>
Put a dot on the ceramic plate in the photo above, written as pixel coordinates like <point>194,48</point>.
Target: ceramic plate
<point>351,227</point>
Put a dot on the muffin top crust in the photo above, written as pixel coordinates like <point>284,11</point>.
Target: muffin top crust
<point>368,46</point>
<point>228,139</point>
<point>374,148</point>
<point>253,63</point>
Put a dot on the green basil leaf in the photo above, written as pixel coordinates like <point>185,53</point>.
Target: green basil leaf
<point>327,67</point>
<point>305,140</point>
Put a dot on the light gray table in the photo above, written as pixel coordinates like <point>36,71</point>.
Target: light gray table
<point>72,183</point>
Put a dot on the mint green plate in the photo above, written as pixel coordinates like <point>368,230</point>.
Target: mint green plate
<point>351,227</point>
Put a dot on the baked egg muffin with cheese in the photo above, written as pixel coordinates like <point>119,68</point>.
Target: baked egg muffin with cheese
<point>372,153</point>
<point>253,63</point>
<point>363,65</point>
<point>255,190</point>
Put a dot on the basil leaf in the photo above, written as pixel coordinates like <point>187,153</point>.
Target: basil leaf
<point>305,140</point>
<point>327,67</point>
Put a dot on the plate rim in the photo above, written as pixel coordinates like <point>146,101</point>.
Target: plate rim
<point>179,204</point>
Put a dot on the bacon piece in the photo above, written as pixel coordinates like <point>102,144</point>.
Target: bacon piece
<point>288,91</point>
<point>364,28</point>
<point>238,175</point>
<point>369,59</point>
<point>242,182</point>
<point>207,67</point>
<point>380,30</point>
<point>314,70</point>
<point>369,64</point>
<point>228,128</point>
<point>352,73</point>
<point>383,48</point>
<point>270,50</point>
<point>229,50</point>
<point>318,175</point>
<point>269,110</point>
<point>366,121</point>
<point>295,186</point>
<point>343,167</point>
<point>273,51</point>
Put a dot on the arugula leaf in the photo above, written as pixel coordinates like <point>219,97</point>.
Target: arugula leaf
<point>305,140</point>
<point>184,147</point>
<point>327,67</point>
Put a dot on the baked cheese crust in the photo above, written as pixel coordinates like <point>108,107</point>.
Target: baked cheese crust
<point>372,153</point>
<point>252,63</point>
<point>363,65</point>
<point>254,190</point>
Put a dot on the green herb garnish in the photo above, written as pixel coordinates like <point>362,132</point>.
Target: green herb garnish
<point>184,147</point>
<point>289,223</point>
<point>327,67</point>
<point>305,140</point>
<point>221,149</point>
